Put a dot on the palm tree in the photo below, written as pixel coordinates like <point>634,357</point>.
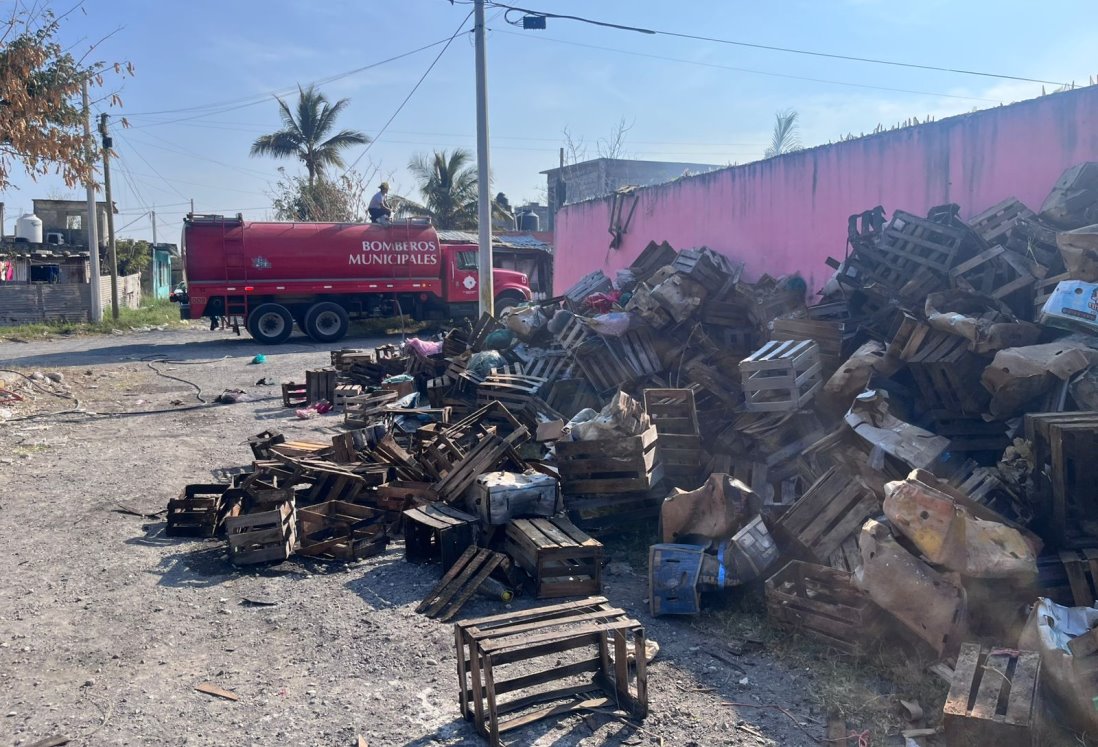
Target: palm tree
<point>306,134</point>
<point>448,183</point>
<point>785,138</point>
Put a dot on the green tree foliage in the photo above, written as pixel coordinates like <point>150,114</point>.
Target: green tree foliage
<point>41,80</point>
<point>307,133</point>
<point>448,183</point>
<point>786,136</point>
<point>134,256</point>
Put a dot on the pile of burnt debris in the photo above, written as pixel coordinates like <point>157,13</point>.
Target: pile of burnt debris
<point>909,459</point>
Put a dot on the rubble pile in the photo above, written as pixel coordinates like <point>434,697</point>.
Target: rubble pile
<point>907,459</point>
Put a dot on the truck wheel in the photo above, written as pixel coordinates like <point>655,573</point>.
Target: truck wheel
<point>507,301</point>
<point>270,323</point>
<point>327,322</point>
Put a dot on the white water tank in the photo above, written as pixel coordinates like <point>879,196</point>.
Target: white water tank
<point>29,228</point>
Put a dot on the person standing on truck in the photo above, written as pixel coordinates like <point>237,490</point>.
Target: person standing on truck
<point>380,212</point>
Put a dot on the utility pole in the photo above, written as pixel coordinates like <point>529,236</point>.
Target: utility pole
<point>93,214</point>
<point>152,259</point>
<point>107,143</point>
<point>484,204</point>
<point>192,206</point>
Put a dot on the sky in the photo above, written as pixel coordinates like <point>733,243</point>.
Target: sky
<point>206,74</point>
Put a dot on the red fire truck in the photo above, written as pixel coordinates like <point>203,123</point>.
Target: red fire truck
<point>319,275</point>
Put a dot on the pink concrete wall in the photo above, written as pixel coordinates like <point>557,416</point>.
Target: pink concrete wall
<point>788,214</point>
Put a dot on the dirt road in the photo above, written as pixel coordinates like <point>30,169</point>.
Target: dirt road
<point>106,625</point>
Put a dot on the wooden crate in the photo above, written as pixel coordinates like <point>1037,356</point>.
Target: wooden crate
<point>517,392</point>
<point>342,359</point>
<point>609,465</point>
<point>341,531</point>
<point>615,513</point>
<point>197,512</point>
<point>707,268</point>
<point>995,272</point>
<point>562,560</point>
<point>437,532</point>
<point>679,449</point>
<point>400,495</point>
<point>262,537</point>
<point>829,513</point>
<point>652,258</point>
<point>781,376</point>
<point>1064,445</point>
<point>460,582</point>
<point>510,662</point>
<point>592,282</point>
<point>822,603</point>
<point>994,224</point>
<point>261,443</point>
<point>948,374</point>
<point>320,384</point>
<point>828,335</point>
<point>911,248</point>
<point>1081,568</point>
<point>344,392</point>
<point>993,698</point>
<point>294,395</point>
<point>367,409</point>
<point>969,433</point>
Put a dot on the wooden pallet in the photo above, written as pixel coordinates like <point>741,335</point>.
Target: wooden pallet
<point>197,512</point>
<point>830,513</point>
<point>262,537</point>
<point>562,560</point>
<point>437,532</point>
<point>608,465</point>
<point>911,245</point>
<point>781,376</point>
<point>993,698</point>
<point>510,662</point>
<point>948,374</point>
<point>822,603</point>
<point>341,531</point>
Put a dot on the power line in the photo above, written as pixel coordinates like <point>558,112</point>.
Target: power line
<point>233,104</point>
<point>773,48</point>
<point>745,69</point>
<point>146,161</point>
<point>410,93</point>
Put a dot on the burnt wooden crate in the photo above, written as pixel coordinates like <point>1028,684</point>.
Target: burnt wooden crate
<point>1064,444</point>
<point>460,582</point>
<point>320,384</point>
<point>636,350</point>
<point>517,392</point>
<point>993,698</point>
<point>911,248</point>
<point>994,224</point>
<point>609,465</point>
<point>829,513</point>
<point>822,603</point>
<point>652,258</point>
<point>437,532</point>
<point>615,513</point>
<point>601,366</point>
<point>1081,569</point>
<point>197,512</point>
<point>573,654</point>
<point>263,536</point>
<point>828,335</point>
<point>485,456</point>
<point>707,268</point>
<point>995,272</point>
<point>675,415</point>
<point>261,443</point>
<point>400,495</point>
<point>948,374</point>
<point>562,559</point>
<point>341,531</point>
<point>294,394</point>
<point>592,282</point>
<point>341,359</point>
<point>969,433</point>
<point>573,334</point>
<point>553,364</point>
<point>781,376</point>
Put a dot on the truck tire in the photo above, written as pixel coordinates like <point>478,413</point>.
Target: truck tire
<point>270,323</point>
<point>506,301</point>
<point>327,322</point>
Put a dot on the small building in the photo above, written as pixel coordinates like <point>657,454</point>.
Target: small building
<point>602,176</point>
<point>164,257</point>
<point>41,282</point>
<point>64,222</point>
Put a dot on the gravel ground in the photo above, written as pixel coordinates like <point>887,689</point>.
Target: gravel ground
<point>106,625</point>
